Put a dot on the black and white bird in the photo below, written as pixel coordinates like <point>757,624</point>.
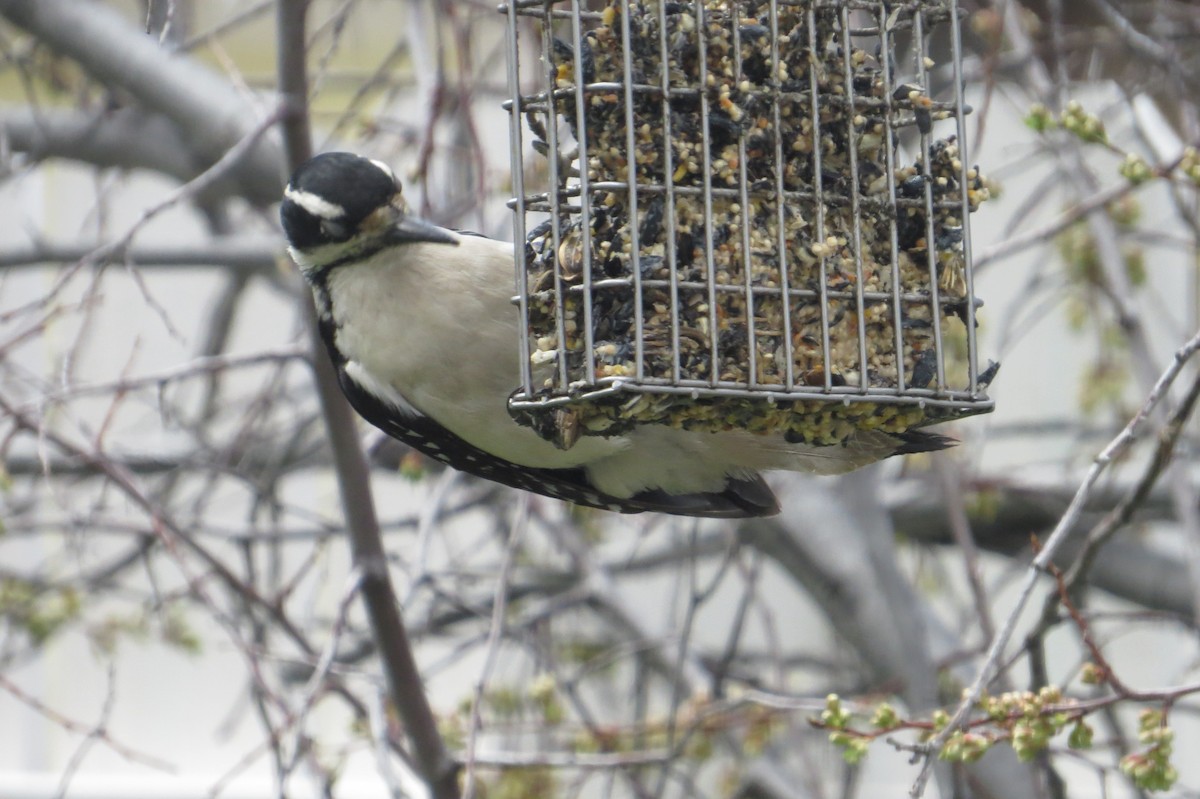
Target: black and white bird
<point>420,324</point>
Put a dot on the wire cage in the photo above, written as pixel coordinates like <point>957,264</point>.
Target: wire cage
<point>721,227</point>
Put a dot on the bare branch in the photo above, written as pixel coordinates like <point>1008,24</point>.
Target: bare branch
<point>66,723</point>
<point>407,692</point>
<point>193,97</point>
<point>1070,517</point>
<point>249,254</point>
<point>102,139</point>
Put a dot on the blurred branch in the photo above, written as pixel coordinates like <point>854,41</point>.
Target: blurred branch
<point>226,165</point>
<point>193,97</point>
<point>127,752</point>
<point>407,692</point>
<point>165,528</point>
<point>834,539</point>
<point>1129,569</point>
<point>239,461</point>
<point>250,254</point>
<point>1115,449</point>
<point>172,537</point>
<point>1144,47</point>
<point>246,12</point>
<point>950,483</point>
<point>100,138</point>
<point>1080,569</point>
<point>1002,524</point>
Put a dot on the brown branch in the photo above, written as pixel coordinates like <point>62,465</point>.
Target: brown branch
<point>1115,449</point>
<point>1119,516</point>
<point>96,732</point>
<point>241,255</point>
<point>950,483</point>
<point>404,680</point>
<point>197,99</point>
<point>1071,583</point>
<point>170,534</point>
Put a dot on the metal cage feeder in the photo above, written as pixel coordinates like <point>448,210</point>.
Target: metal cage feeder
<point>721,229</point>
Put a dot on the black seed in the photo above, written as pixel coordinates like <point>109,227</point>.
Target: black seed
<point>652,220</point>
<point>924,120</point>
<point>924,370</point>
<point>913,186</point>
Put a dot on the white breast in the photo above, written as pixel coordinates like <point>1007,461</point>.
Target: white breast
<point>436,325</point>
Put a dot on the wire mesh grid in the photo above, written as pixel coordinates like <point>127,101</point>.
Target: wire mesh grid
<point>720,226</point>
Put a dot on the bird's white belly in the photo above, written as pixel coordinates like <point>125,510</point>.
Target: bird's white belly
<point>459,369</point>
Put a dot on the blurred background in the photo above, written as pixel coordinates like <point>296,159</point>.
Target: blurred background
<point>177,609</point>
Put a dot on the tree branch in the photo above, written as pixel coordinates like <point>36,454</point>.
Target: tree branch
<point>191,95</point>
<point>404,679</point>
<point>101,138</point>
<point>1115,449</point>
<point>836,543</point>
<point>247,254</point>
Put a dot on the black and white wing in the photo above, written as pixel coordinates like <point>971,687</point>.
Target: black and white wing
<point>741,498</point>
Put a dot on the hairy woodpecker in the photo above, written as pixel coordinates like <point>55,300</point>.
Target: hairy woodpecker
<point>420,324</point>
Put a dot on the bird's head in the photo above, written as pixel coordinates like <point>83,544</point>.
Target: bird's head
<point>340,208</point>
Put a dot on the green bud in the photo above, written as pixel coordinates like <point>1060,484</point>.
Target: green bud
<point>840,739</point>
<point>1087,127</point>
<point>1149,720</point>
<point>1039,119</point>
<point>1189,165</point>
<point>1149,772</point>
<point>885,717</point>
<point>834,716</point>
<point>1029,737</point>
<point>1081,736</point>
<point>1135,169</point>
<point>856,751</point>
<point>964,747</point>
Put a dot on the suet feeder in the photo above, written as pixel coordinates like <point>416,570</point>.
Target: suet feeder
<point>741,214</point>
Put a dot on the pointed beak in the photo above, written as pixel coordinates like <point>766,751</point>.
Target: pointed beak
<point>413,229</point>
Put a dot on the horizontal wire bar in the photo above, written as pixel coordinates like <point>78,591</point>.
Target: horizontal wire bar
<point>702,389</point>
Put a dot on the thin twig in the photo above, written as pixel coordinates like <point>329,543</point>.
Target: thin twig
<point>952,497</point>
<point>224,166</point>
<point>1117,447</point>
<point>194,368</point>
<point>405,686</point>
<point>127,752</point>
<point>495,634</point>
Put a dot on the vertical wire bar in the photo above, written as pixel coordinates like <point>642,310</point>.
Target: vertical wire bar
<point>819,194</point>
<point>635,256</point>
<point>963,155</point>
<point>669,181</point>
<point>585,199</point>
<point>855,206</point>
<point>885,49</point>
<point>744,215</point>
<point>706,170</point>
<point>776,83</point>
<point>516,155</point>
<point>554,195</point>
<point>935,303</point>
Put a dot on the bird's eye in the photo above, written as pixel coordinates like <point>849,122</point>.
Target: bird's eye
<point>334,230</point>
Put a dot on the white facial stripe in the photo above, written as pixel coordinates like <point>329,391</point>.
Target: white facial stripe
<point>387,170</point>
<point>315,205</point>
